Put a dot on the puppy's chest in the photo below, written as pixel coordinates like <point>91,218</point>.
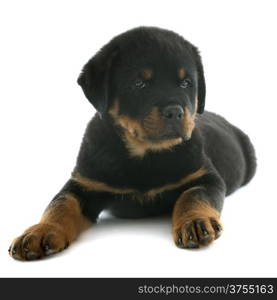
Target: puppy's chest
<point>141,185</point>
<point>114,172</point>
<point>153,172</point>
<point>150,177</point>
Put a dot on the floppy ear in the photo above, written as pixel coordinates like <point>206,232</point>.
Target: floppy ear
<point>201,92</point>
<point>94,78</point>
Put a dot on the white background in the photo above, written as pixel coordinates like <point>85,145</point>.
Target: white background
<point>44,113</point>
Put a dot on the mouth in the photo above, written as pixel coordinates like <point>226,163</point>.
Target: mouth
<point>169,133</point>
<point>166,137</point>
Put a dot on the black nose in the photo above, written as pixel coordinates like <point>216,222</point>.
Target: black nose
<point>173,112</point>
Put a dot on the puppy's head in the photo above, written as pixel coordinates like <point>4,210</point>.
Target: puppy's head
<point>151,82</point>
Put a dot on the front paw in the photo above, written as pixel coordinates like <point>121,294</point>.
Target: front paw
<point>197,233</point>
<point>39,241</point>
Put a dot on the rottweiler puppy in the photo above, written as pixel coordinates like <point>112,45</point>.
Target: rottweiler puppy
<point>149,150</point>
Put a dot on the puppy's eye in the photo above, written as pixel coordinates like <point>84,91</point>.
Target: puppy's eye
<point>140,84</point>
<point>184,84</point>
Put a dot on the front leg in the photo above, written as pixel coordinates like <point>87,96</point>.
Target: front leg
<point>61,223</point>
<point>197,211</point>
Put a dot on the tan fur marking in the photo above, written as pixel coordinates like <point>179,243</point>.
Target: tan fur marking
<point>153,123</point>
<point>199,173</point>
<point>138,148</point>
<point>188,122</point>
<point>94,185</point>
<point>147,74</point>
<point>133,127</point>
<point>184,213</point>
<point>67,215</point>
<point>114,111</point>
<point>182,74</point>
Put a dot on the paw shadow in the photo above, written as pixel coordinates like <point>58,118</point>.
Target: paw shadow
<point>108,226</point>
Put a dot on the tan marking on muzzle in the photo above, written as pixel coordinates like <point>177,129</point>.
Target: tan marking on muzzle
<point>135,133</point>
<point>188,122</point>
